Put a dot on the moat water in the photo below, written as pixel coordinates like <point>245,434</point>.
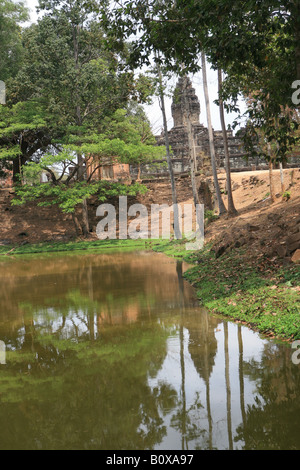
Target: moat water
<point>113,351</point>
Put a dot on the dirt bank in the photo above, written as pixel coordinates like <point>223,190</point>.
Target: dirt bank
<point>262,227</point>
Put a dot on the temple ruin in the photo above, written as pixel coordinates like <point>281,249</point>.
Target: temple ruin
<point>179,142</point>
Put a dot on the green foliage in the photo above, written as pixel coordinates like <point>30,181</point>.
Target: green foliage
<point>66,90</point>
<point>20,118</point>
<point>210,216</point>
<point>286,195</point>
<point>68,197</point>
<point>68,67</point>
<point>11,15</point>
<point>256,44</point>
<point>24,130</point>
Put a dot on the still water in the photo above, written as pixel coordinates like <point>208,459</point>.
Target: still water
<point>113,351</point>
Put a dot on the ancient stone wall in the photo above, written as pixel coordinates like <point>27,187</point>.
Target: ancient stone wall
<point>179,142</point>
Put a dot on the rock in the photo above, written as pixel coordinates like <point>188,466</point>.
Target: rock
<point>280,250</point>
<point>293,242</point>
<point>23,234</point>
<point>253,180</point>
<point>296,229</point>
<point>220,249</point>
<point>5,242</point>
<point>242,241</point>
<point>25,242</point>
<point>296,257</point>
<point>252,228</point>
<point>295,246</point>
<point>293,238</point>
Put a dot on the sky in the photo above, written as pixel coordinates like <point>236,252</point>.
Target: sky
<point>154,112</point>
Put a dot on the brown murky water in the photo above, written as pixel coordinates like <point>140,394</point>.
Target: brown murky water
<point>113,351</point>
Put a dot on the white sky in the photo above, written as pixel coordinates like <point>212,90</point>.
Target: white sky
<point>154,112</point>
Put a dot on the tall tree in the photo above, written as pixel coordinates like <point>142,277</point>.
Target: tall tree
<point>70,194</point>
<point>12,14</point>
<point>221,206</point>
<point>239,37</point>
<point>231,207</point>
<point>70,80</point>
<point>168,153</point>
<point>24,131</point>
<point>191,141</point>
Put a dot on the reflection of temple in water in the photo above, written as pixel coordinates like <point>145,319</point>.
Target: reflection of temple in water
<point>244,398</point>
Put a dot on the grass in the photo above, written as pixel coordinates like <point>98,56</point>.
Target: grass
<point>88,246</point>
<point>258,293</point>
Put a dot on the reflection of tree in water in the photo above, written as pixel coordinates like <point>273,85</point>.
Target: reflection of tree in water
<point>202,348</point>
<point>80,354</point>
<point>44,278</point>
<point>87,394</point>
<point>272,423</point>
<point>79,366</point>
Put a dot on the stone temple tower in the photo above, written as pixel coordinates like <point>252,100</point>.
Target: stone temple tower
<point>179,141</point>
<point>178,135</point>
<point>178,105</point>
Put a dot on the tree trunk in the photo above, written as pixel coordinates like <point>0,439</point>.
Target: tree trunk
<point>85,215</point>
<point>192,151</point>
<point>16,170</point>
<point>272,194</point>
<point>222,208</point>
<point>231,207</point>
<point>170,166</point>
<point>139,174</point>
<point>191,142</point>
<point>18,163</point>
<point>281,177</point>
<point>80,159</point>
<point>77,225</point>
<point>85,219</point>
